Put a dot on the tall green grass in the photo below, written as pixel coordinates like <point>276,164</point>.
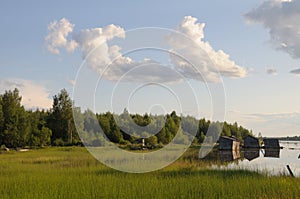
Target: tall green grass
<point>73,173</point>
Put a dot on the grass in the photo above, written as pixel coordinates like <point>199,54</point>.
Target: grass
<point>72,172</point>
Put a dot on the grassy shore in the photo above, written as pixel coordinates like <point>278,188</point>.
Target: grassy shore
<point>72,172</point>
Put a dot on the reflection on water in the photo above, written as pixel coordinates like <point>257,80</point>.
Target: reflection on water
<point>270,161</point>
<point>227,156</point>
<point>272,153</point>
<point>251,154</point>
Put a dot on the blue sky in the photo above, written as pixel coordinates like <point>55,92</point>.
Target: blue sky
<point>265,43</point>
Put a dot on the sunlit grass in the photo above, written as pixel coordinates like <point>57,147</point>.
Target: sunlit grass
<point>73,173</point>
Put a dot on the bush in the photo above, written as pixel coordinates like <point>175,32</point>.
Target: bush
<point>3,147</point>
<point>125,142</point>
<point>59,142</point>
<point>136,147</point>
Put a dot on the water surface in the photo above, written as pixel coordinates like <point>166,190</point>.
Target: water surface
<point>269,161</point>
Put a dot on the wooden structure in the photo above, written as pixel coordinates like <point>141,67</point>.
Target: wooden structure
<point>290,170</point>
<point>271,143</point>
<point>229,143</point>
<point>251,142</point>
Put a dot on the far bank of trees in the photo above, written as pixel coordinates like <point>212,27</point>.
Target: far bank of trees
<point>37,128</point>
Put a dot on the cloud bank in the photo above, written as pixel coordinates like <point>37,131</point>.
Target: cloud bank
<point>282,19</point>
<point>33,94</point>
<point>204,63</point>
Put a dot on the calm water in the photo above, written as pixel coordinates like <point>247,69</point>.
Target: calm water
<point>272,162</point>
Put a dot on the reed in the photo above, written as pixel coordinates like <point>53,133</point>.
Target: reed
<point>71,172</point>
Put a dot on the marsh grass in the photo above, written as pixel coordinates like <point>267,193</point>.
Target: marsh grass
<point>73,173</point>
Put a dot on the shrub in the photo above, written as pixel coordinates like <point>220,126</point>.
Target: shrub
<point>59,142</point>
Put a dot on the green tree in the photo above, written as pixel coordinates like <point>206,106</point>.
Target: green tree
<point>176,120</point>
<point>226,129</point>
<point>234,129</point>
<point>40,135</point>
<point>201,137</point>
<point>45,136</point>
<point>15,126</point>
<point>116,135</point>
<point>203,126</point>
<point>104,121</point>
<point>1,117</point>
<point>163,136</point>
<point>110,128</point>
<point>146,120</point>
<point>171,126</point>
<point>152,140</point>
<point>61,119</point>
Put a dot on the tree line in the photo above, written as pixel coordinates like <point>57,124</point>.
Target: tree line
<point>37,128</point>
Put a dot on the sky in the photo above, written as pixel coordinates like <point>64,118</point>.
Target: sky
<point>226,60</point>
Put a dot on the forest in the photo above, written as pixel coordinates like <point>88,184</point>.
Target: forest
<point>20,127</point>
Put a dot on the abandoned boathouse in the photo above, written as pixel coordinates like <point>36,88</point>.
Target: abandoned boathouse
<point>251,142</point>
<point>271,143</point>
<point>229,143</point>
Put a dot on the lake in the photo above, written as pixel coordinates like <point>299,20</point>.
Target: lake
<point>268,161</point>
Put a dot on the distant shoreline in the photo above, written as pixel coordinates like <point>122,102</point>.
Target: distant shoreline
<point>294,138</point>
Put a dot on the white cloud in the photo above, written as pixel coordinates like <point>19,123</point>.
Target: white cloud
<point>95,41</point>
<point>98,53</point>
<point>71,82</point>
<point>282,19</point>
<point>33,94</point>
<point>200,53</point>
<point>295,71</point>
<point>271,71</point>
<point>58,32</point>
<point>143,71</point>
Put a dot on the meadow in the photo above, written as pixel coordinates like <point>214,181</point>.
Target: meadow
<point>71,172</point>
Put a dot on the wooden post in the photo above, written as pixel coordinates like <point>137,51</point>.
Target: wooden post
<point>291,173</point>
<point>143,142</point>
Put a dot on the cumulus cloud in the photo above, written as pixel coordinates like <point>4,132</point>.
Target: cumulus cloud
<point>295,71</point>
<point>271,71</point>
<point>200,54</point>
<point>282,19</point>
<point>96,41</point>
<point>33,94</point>
<point>58,32</point>
<point>197,60</point>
